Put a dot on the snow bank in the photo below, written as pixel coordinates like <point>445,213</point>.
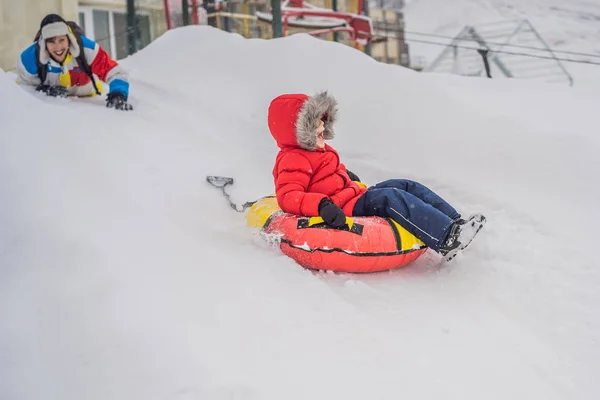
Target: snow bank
<point>124,275</point>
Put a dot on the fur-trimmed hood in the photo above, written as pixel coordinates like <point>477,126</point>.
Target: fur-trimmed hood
<point>53,25</point>
<point>294,119</point>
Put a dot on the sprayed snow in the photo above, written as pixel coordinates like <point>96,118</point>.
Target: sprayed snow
<point>124,275</point>
<point>303,246</point>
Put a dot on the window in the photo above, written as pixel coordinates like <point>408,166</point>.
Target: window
<point>121,39</point>
<point>82,21</point>
<point>108,28</point>
<point>144,27</point>
<point>102,34</point>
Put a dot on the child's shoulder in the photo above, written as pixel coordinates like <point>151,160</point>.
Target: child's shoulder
<point>295,156</point>
<point>295,150</point>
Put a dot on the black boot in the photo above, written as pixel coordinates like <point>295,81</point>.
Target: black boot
<point>451,243</point>
<point>461,234</point>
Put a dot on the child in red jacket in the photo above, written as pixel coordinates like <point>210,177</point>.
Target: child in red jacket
<point>311,181</point>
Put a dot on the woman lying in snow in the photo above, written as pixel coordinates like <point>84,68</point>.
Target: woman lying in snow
<point>62,62</point>
<point>311,181</point>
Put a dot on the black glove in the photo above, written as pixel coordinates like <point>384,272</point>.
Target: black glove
<point>118,101</point>
<point>53,91</point>
<point>331,213</point>
<point>352,176</point>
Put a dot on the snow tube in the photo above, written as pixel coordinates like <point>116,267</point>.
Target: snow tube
<point>365,244</point>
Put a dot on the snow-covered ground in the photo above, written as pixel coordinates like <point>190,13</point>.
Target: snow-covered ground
<point>124,275</point>
<point>571,25</point>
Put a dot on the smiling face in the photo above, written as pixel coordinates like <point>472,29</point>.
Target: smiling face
<point>58,47</point>
<point>320,138</point>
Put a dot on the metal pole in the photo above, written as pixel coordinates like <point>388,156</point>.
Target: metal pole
<point>387,42</point>
<point>364,10</point>
<point>486,63</point>
<point>131,27</point>
<point>334,7</point>
<point>536,33</point>
<point>167,14</point>
<point>195,20</point>
<point>185,8</point>
<point>276,24</point>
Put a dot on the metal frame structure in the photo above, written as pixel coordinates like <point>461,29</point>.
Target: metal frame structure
<point>300,14</point>
<point>485,38</point>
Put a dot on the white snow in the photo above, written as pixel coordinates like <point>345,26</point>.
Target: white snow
<point>571,26</point>
<point>124,275</point>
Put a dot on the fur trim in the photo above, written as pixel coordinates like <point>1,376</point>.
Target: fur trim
<point>312,111</point>
<point>57,29</point>
<point>54,29</point>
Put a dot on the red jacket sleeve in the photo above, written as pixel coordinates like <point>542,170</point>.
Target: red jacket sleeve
<point>293,177</point>
<point>102,64</point>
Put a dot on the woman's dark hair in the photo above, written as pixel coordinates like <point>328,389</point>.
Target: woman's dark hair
<point>51,18</point>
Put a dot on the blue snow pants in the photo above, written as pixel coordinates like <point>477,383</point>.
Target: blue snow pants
<point>412,205</point>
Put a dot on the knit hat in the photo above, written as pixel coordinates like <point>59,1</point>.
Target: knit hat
<point>51,26</point>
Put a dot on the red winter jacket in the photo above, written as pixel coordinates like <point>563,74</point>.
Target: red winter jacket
<point>304,174</point>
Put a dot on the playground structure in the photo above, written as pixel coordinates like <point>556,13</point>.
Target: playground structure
<point>296,16</point>
<point>301,14</point>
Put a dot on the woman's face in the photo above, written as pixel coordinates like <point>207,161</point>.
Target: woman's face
<point>58,47</point>
<point>320,139</point>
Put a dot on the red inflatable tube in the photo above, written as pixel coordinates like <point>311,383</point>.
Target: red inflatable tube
<point>371,244</point>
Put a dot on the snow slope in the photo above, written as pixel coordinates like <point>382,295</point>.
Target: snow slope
<point>124,275</point>
<point>565,25</point>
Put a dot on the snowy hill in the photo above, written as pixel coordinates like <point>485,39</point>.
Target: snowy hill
<point>564,25</point>
<point>124,275</point>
